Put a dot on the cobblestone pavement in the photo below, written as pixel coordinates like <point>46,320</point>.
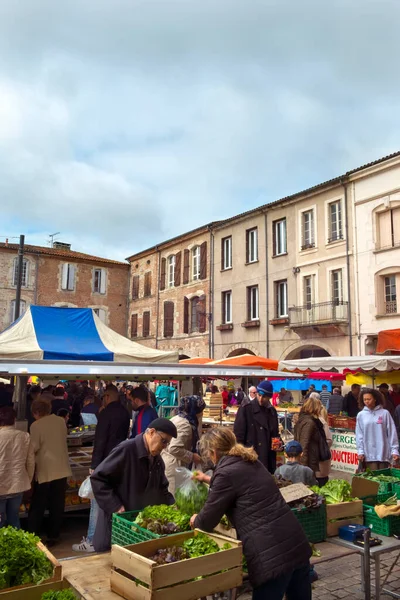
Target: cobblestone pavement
<point>341,579</point>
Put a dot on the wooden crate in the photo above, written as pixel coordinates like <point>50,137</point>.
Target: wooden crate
<point>36,592</point>
<point>57,575</point>
<point>175,581</point>
<point>347,513</point>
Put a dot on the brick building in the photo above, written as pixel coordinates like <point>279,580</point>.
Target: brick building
<point>61,277</point>
<point>169,295</point>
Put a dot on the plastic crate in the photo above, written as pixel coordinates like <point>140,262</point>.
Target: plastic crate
<point>386,488</point>
<point>313,521</point>
<point>396,490</point>
<point>125,532</point>
<point>386,526</point>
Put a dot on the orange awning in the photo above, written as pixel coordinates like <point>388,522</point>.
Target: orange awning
<point>195,361</point>
<point>248,360</point>
<point>388,340</point>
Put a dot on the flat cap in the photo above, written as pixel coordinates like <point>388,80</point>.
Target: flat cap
<point>164,425</point>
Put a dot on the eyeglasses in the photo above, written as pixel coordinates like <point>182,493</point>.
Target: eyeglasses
<point>164,441</point>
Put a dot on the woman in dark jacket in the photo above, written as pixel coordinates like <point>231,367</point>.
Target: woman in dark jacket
<point>309,431</point>
<point>274,544</point>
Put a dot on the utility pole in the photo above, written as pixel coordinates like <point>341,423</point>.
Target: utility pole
<point>19,276</point>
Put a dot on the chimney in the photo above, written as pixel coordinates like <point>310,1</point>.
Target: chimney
<point>61,246</point>
<point>6,244</point>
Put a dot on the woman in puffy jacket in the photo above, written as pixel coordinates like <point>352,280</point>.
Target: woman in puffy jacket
<point>17,465</point>
<point>274,543</point>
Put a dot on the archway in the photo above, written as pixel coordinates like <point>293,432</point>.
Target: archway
<point>307,351</point>
<point>183,356</point>
<point>240,352</point>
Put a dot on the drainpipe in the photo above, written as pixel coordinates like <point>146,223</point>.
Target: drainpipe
<point>158,293</point>
<point>348,266</point>
<point>35,287</point>
<point>211,299</point>
<point>266,280</point>
<point>356,287</point>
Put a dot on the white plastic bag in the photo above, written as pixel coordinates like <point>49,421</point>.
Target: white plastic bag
<point>85,491</point>
<point>190,495</point>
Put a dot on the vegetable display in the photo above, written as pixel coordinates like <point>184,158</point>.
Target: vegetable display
<point>21,561</point>
<point>163,519</point>
<point>309,502</point>
<point>199,545</point>
<point>59,595</point>
<point>191,497</point>
<point>281,482</point>
<point>335,491</point>
<point>380,478</point>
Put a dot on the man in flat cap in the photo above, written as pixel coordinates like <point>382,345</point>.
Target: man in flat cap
<point>131,478</point>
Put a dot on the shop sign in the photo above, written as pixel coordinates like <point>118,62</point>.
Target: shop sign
<point>344,452</point>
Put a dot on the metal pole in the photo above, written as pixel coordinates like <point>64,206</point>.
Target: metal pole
<point>19,276</point>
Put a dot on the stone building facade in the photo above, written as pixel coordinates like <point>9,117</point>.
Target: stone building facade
<point>61,277</point>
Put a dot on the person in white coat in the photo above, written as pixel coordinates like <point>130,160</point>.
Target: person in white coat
<point>182,450</point>
<point>376,435</point>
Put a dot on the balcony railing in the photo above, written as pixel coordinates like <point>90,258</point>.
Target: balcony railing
<point>391,307</point>
<point>322,313</point>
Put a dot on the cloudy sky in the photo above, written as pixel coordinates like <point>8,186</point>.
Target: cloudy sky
<point>126,122</point>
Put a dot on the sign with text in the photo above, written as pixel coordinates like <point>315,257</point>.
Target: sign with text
<point>295,492</point>
<point>344,452</point>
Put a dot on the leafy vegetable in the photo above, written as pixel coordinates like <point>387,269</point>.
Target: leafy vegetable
<point>163,519</point>
<point>379,477</point>
<point>59,595</point>
<point>281,482</point>
<point>199,545</point>
<point>315,551</point>
<point>335,491</point>
<point>191,497</point>
<point>309,502</point>
<point>21,561</point>
<point>392,501</point>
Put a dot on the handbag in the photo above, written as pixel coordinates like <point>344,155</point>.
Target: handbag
<point>324,452</point>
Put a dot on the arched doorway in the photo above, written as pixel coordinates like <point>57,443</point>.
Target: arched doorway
<point>240,352</point>
<point>307,351</point>
<point>183,356</point>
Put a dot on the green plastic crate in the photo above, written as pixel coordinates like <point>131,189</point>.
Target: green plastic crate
<point>125,532</point>
<point>385,488</point>
<point>396,490</point>
<point>313,521</point>
<point>386,526</point>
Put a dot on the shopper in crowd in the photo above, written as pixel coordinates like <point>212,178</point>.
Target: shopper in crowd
<point>49,441</point>
<point>285,396</point>
<point>293,470</point>
<point>17,465</point>
<point>239,395</point>
<point>34,393</point>
<point>5,395</point>
<point>182,450</point>
<point>387,398</point>
<point>90,410</point>
<point>324,396</point>
<point>225,396</point>
<point>143,411</point>
<point>376,436</point>
<point>395,394</point>
<point>245,492</point>
<point>152,396</point>
<point>322,474</point>
<point>256,425</point>
<point>350,405</point>
<point>309,431</point>
<point>310,390</point>
<point>335,402</point>
<point>132,477</point>
<point>58,401</point>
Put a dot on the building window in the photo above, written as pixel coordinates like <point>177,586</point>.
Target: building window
<point>146,323</point>
<point>168,319</point>
<point>147,284</point>
<point>390,295</point>
<point>308,290</point>
<point>135,287</point>
<point>337,286</point>
<point>101,313</point>
<point>99,281</point>
<point>226,253</point>
<point>389,228</point>
<point>134,326</point>
<point>194,314</point>
<point>25,268</point>
<point>68,277</point>
<point>279,237</point>
<point>226,307</point>
<point>252,303</point>
<point>307,225</point>
<point>281,299</point>
<point>335,221</point>
<point>252,245</point>
<point>171,270</point>
<point>196,263</point>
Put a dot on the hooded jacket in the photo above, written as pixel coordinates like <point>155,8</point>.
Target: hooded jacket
<point>376,435</point>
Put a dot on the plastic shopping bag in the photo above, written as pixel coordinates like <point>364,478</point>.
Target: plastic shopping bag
<point>190,495</point>
<point>85,491</point>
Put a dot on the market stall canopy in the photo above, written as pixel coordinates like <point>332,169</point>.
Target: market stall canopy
<point>388,341</point>
<point>248,360</point>
<point>195,361</point>
<point>343,364</point>
<point>64,334</point>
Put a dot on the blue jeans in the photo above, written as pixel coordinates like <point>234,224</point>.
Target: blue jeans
<point>295,584</point>
<point>94,513</point>
<point>9,511</point>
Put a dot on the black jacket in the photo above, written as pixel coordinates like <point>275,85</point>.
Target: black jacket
<point>256,426</point>
<point>336,403</point>
<point>129,478</point>
<point>350,405</point>
<point>273,540</point>
<point>112,428</point>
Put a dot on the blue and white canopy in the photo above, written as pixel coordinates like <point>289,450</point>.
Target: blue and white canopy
<point>51,333</point>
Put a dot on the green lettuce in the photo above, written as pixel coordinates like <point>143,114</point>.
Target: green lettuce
<point>335,491</point>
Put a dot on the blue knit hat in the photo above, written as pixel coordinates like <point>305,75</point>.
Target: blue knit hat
<point>265,388</point>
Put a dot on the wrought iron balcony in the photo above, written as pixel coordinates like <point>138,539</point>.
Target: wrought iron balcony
<point>323,313</point>
<point>391,307</point>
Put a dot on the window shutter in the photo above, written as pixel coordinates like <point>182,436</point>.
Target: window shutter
<point>274,238</point>
<point>134,325</point>
<point>168,319</point>
<point>248,304</point>
<point>163,269</point>
<point>396,226</point>
<point>203,260</point>
<point>103,281</point>
<point>147,283</point>
<point>202,316</point>
<point>223,254</point>
<point>384,229</point>
<point>64,277</point>
<point>178,261</point>
<point>135,287</point>
<point>186,315</point>
<point>146,324</point>
<point>71,277</point>
<point>247,247</point>
<point>186,266</point>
